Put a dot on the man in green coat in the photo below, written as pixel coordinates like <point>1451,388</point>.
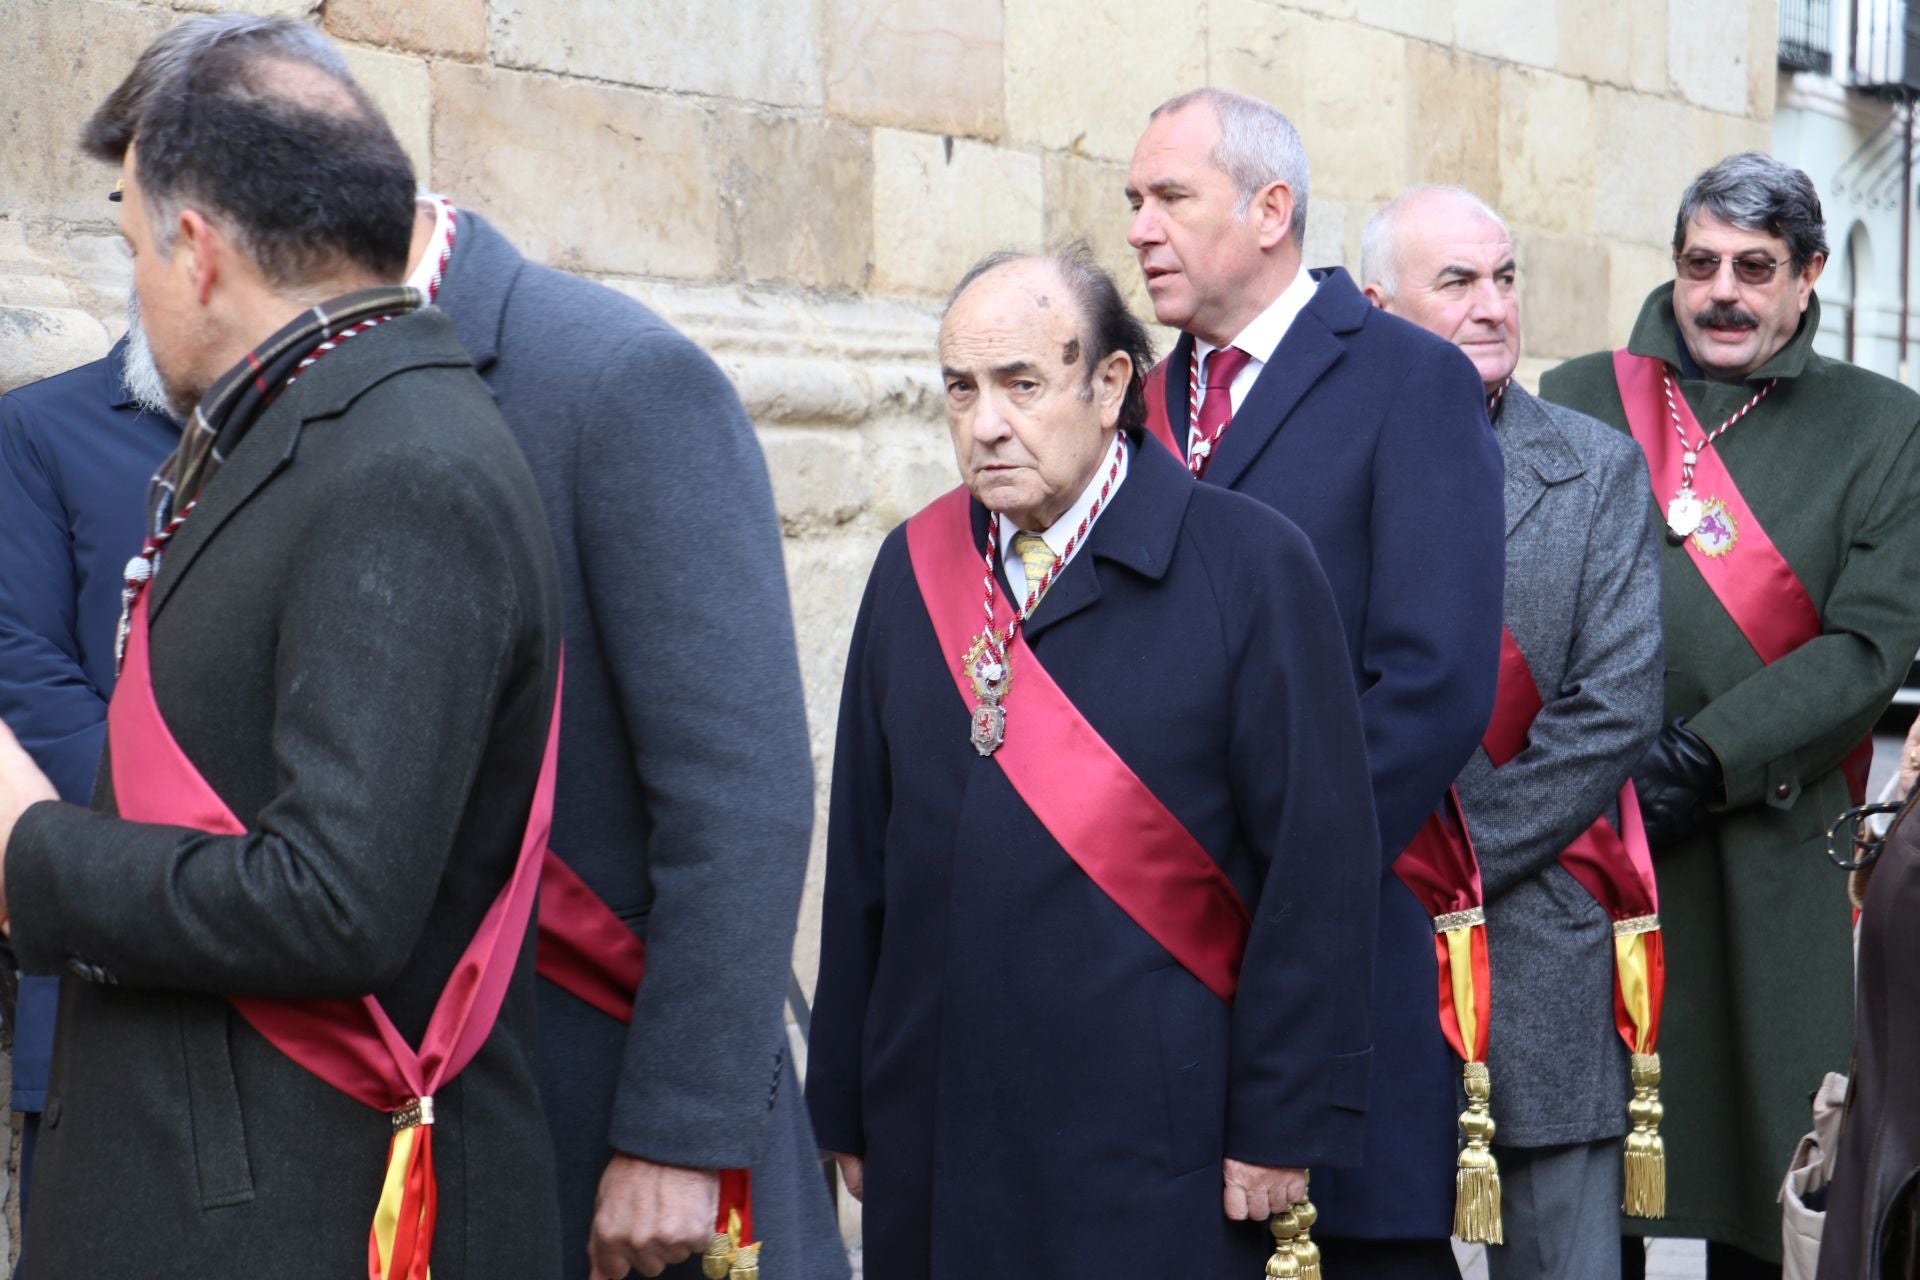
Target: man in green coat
<point>1789,487</point>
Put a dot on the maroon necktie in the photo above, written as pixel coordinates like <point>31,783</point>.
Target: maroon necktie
<point>1223,366</point>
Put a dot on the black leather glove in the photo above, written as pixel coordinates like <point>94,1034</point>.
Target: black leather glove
<point>1675,780</point>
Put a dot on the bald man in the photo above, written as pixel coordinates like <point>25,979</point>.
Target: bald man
<point>1582,605</point>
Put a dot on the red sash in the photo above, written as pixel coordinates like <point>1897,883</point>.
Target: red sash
<point>1106,819</point>
<point>350,1044</point>
<point>1157,422</point>
<point>1741,565</point>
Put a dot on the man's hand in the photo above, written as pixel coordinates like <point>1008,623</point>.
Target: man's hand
<point>853,1172</point>
<point>21,784</point>
<point>1675,780</point>
<point>649,1216</point>
<point>1255,1192</point>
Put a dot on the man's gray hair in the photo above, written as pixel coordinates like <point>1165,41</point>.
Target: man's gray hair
<point>1257,146</point>
<point>1755,192</point>
<point>1380,240</point>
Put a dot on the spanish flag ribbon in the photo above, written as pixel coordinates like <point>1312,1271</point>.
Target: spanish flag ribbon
<point>1440,867</point>
<point>734,1253</point>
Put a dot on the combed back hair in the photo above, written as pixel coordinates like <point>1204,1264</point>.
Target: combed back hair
<point>1106,325</point>
<point>1380,239</point>
<point>1755,192</point>
<point>1258,146</point>
<point>257,123</point>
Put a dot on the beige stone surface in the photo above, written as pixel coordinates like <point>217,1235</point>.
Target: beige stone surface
<point>1618,42</point>
<point>1763,44</point>
<point>1633,272</point>
<point>1563,293</point>
<point>58,59</point>
<point>1717,136</point>
<point>1328,225</point>
<point>1117,72</point>
<point>1086,199</point>
<point>1644,160</point>
<point>268,8</point>
<point>456,28</point>
<point>1422,19</point>
<point>1453,119</point>
<point>752,50</point>
<point>582,176</point>
<point>939,204</point>
<point>1526,31</point>
<point>42,329</point>
<point>1547,165</point>
<point>1709,54</point>
<point>402,88</point>
<point>882,56</point>
<point>1343,86</point>
<point>800,192</point>
<point>817,480</point>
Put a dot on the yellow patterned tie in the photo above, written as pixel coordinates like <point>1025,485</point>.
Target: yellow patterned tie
<point>1036,557</point>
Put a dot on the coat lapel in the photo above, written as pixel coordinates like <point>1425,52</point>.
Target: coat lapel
<point>1314,344</point>
<point>479,280</point>
<point>264,453</point>
<point>1535,454</point>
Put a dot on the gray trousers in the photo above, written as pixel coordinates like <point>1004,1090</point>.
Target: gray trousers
<point>1560,1207</point>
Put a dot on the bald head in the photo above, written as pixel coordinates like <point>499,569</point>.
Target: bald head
<point>1441,258</point>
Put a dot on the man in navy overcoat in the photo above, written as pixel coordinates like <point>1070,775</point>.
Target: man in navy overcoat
<point>1372,436</point>
<point>1028,1049</point>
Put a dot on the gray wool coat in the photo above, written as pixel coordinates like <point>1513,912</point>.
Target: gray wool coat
<point>1583,603</point>
<point>685,787</point>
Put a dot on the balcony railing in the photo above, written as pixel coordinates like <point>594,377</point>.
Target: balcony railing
<point>1806,35</point>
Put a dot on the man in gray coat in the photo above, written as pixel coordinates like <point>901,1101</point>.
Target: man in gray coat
<point>1583,607</point>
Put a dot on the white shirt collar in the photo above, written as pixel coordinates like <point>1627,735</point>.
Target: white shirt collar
<point>422,277</point>
<point>1263,335</point>
<point>1057,533</point>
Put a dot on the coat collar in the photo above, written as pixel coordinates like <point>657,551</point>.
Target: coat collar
<point>479,280</point>
<point>1138,531</point>
<point>424,339</point>
<point>1536,454</point>
<point>1656,333</point>
<point>1313,345</point>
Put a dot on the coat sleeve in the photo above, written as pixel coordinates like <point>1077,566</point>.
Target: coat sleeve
<point>1797,718</point>
<point>680,556</point>
<point>1594,728</point>
<point>1430,653</point>
<point>46,697</point>
<point>385,697</point>
<point>1300,1061</point>
<point>854,911</point>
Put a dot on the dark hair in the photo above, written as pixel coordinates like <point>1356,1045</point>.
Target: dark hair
<point>1758,193</point>
<point>1105,322</point>
<point>257,123</point>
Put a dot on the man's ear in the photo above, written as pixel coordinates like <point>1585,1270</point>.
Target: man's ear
<point>1110,381</point>
<point>1809,275</point>
<point>1375,294</point>
<point>1273,205</point>
<point>202,249</point>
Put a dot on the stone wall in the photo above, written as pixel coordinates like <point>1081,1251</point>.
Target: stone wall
<point>797,182</point>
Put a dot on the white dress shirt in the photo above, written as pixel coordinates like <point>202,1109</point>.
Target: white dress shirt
<point>1057,533</point>
<point>1260,339</point>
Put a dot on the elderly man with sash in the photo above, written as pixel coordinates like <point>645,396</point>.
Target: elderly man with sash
<point>1787,492</point>
<point>1561,855</point>
<point>301,1039</point>
<point>1101,869</point>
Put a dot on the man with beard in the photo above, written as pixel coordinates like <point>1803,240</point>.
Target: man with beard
<point>76,452</point>
<point>1786,488</point>
<point>302,1041</point>
<point>684,794</point>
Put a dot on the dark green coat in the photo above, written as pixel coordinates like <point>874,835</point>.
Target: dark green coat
<point>1758,929</point>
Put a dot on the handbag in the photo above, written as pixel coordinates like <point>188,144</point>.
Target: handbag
<point>1803,1193</point>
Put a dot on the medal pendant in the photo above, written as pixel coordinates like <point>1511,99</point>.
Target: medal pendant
<point>989,727</point>
<point>1683,515</point>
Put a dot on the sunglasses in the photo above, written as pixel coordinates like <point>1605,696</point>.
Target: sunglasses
<point>1748,268</point>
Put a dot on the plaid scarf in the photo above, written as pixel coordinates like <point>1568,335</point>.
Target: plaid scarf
<point>233,404</point>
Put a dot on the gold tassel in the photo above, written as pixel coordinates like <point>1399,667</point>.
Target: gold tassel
<point>718,1257</point>
<point>1476,1184</point>
<point>1283,1265</point>
<point>1303,1246</point>
<point>746,1262</point>
<point>1646,1172</point>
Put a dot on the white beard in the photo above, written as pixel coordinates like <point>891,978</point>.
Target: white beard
<point>141,376</point>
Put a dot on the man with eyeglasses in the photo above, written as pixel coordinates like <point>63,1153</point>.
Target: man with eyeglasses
<point>1787,493</point>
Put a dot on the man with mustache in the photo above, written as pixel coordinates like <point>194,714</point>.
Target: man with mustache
<point>1786,487</point>
<point>76,451</point>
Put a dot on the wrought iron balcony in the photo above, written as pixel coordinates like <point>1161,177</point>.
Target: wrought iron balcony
<point>1806,35</point>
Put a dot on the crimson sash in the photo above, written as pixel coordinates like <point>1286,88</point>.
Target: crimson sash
<point>1157,421</point>
<point>1741,565</point>
<point>350,1044</point>
<point>1083,793</point>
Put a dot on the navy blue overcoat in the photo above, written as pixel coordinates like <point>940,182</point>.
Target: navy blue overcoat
<point>1037,1088</point>
<point>1372,436</point>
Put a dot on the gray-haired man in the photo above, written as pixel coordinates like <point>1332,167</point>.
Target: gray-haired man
<point>1789,484</point>
<point>1583,609</point>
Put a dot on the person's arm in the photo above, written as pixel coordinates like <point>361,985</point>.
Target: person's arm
<point>389,646</point>
<point>1597,724</point>
<point>1430,654</point>
<point>45,695</point>
<point>1300,1062</point>
<point>1797,718</point>
<point>679,551</point>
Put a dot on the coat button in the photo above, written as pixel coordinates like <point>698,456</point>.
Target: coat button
<point>1784,790</point>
